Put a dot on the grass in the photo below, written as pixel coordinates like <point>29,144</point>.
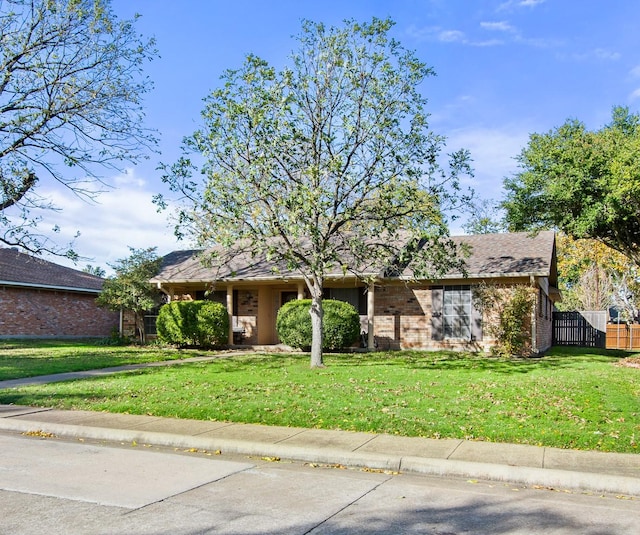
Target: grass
<point>28,358</point>
<point>571,398</point>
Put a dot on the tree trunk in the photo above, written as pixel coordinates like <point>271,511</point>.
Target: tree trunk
<point>139,319</point>
<point>316,328</point>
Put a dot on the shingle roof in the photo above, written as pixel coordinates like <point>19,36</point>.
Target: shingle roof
<point>512,254</point>
<point>20,269</point>
<point>517,253</point>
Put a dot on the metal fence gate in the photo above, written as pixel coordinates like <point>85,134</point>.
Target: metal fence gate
<point>580,328</point>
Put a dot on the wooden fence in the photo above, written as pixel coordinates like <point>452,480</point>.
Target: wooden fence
<point>623,336</point>
<point>590,329</point>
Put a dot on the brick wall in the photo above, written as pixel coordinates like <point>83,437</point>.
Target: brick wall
<point>402,317</point>
<point>247,315</point>
<point>544,322</point>
<point>30,312</point>
<point>403,321</point>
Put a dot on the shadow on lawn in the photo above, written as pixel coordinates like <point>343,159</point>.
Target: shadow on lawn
<point>557,358</point>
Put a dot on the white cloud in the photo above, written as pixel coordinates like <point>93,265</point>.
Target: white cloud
<point>493,151</point>
<point>499,26</point>
<point>514,4</point>
<point>451,36</point>
<point>607,55</point>
<point>635,72</point>
<point>122,217</point>
<point>436,33</point>
<point>635,94</point>
<point>598,54</point>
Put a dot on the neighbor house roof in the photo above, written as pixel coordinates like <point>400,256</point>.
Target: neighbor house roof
<point>490,255</point>
<point>27,271</point>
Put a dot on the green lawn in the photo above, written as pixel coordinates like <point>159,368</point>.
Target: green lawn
<point>28,358</point>
<point>571,398</point>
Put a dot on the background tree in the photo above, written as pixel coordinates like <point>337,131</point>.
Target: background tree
<point>584,183</point>
<point>94,270</point>
<point>485,218</point>
<point>129,288</point>
<point>70,105</point>
<point>327,164</point>
<point>585,273</point>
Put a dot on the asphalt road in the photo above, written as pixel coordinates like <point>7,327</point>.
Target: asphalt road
<point>48,485</point>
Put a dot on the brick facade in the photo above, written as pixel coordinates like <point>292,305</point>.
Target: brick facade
<point>247,315</point>
<point>28,312</point>
<point>403,315</point>
<point>403,321</point>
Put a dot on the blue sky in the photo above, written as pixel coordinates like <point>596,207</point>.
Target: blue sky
<point>505,69</point>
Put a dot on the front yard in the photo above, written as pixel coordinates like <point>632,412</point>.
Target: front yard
<point>571,398</point>
<point>28,358</point>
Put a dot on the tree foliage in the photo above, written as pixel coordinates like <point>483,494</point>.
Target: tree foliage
<point>71,86</point>
<point>327,164</point>
<point>94,270</point>
<point>593,276</point>
<point>193,323</point>
<point>484,218</point>
<point>509,311</point>
<point>584,183</point>
<point>341,324</point>
<point>130,289</point>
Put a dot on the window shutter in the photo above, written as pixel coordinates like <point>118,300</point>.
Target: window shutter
<point>476,323</point>
<point>437,327</point>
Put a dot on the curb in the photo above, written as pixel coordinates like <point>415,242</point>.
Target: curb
<point>528,476</point>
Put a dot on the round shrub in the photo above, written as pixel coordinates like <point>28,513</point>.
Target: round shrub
<point>341,324</point>
<point>193,323</point>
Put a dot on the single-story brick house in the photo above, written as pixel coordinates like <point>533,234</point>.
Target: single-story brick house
<point>41,299</point>
<point>399,311</point>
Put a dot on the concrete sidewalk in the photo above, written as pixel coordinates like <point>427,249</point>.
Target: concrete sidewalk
<point>527,465</point>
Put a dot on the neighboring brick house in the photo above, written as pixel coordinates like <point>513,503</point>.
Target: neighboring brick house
<point>404,312</point>
<point>43,299</point>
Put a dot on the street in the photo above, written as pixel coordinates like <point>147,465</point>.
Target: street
<point>48,485</point>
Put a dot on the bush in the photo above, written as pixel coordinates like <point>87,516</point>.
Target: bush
<point>510,322</point>
<point>193,323</point>
<point>341,324</point>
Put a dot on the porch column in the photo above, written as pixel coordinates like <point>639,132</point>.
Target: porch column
<point>300,290</point>
<point>371,302</point>
<point>230,312</point>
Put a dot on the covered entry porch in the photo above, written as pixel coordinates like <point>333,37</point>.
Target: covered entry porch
<point>253,306</point>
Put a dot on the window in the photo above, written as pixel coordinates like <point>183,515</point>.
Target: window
<point>456,312</point>
<point>355,296</point>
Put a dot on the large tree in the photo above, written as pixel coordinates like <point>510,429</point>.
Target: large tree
<point>71,86</point>
<point>585,183</point>
<point>329,163</point>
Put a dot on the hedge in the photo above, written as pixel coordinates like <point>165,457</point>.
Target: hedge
<point>341,324</point>
<point>193,323</point>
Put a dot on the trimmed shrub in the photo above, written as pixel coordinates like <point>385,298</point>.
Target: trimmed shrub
<point>193,323</point>
<point>341,324</point>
